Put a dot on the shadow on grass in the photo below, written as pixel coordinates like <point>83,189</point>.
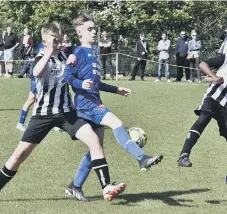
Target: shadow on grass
<point>10,109</point>
<point>165,197</point>
<point>216,201</point>
<point>131,199</point>
<point>35,199</point>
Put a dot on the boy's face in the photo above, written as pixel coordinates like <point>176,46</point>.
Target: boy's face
<point>87,32</point>
<point>50,40</point>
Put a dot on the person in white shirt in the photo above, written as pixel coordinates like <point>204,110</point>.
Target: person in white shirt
<point>163,48</point>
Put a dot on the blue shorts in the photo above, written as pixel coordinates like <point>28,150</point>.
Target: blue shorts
<point>33,87</point>
<point>94,114</point>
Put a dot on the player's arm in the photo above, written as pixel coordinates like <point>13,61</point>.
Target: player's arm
<point>41,62</point>
<point>215,63</point>
<point>71,73</point>
<point>114,89</point>
<point>47,52</point>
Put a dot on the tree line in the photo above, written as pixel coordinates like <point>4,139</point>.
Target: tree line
<point>126,18</point>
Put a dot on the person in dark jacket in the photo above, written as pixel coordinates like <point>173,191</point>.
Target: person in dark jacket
<point>142,53</point>
<point>181,57</point>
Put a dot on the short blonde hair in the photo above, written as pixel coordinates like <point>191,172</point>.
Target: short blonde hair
<point>54,28</point>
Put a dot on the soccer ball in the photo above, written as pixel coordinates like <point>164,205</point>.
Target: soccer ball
<point>138,135</point>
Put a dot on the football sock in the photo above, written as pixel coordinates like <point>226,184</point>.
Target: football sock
<point>195,132</point>
<point>82,171</point>
<point>23,116</point>
<point>5,176</point>
<point>190,141</point>
<point>101,168</point>
<point>129,145</point>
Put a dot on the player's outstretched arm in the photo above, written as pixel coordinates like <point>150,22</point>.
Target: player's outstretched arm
<point>114,89</point>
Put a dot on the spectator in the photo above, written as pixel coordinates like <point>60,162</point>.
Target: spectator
<point>181,57</point>
<point>10,43</point>
<point>105,45</point>
<point>194,47</point>
<point>1,52</point>
<point>163,48</point>
<point>66,45</point>
<point>142,53</point>
<point>27,44</point>
<point>223,48</point>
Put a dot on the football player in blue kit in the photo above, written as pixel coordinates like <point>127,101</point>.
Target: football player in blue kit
<point>83,74</point>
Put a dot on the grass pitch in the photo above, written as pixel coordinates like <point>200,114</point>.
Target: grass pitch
<point>165,112</point>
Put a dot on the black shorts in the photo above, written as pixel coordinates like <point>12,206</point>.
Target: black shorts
<point>216,111</point>
<point>210,106</point>
<point>39,126</point>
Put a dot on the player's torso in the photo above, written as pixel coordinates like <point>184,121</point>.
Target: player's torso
<point>52,91</point>
<point>89,68</point>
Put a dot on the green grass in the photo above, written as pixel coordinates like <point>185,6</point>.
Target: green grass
<point>165,112</point>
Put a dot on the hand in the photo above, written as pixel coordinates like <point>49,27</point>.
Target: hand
<point>87,84</point>
<point>139,59</point>
<point>71,60</point>
<point>50,44</point>
<point>143,53</point>
<point>123,91</point>
<point>218,80</point>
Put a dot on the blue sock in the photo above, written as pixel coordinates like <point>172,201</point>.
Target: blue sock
<point>23,116</point>
<point>82,171</point>
<point>129,145</point>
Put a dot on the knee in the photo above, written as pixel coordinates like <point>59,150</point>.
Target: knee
<point>31,100</point>
<point>116,124</point>
<point>203,119</point>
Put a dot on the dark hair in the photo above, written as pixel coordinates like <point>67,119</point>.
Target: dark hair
<point>81,19</point>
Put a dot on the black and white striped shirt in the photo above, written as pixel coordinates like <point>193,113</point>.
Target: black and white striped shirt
<point>53,94</point>
<point>218,91</point>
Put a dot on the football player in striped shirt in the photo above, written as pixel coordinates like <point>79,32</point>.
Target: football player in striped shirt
<point>84,77</point>
<point>213,106</point>
<point>53,107</point>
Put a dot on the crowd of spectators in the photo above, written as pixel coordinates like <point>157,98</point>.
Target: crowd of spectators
<point>21,48</point>
<point>187,53</point>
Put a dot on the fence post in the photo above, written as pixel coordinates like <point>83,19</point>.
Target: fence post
<point>116,65</point>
